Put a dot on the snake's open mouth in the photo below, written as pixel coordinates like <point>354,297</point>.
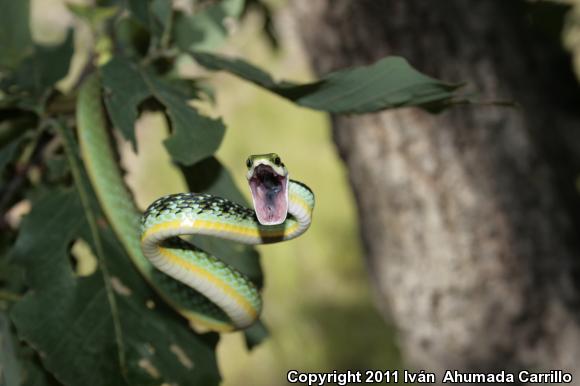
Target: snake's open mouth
<point>270,195</point>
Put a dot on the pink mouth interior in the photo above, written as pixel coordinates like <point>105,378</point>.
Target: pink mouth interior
<point>270,195</point>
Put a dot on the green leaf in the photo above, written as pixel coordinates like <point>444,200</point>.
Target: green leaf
<point>10,374</point>
<point>194,136</point>
<point>391,82</point>
<point>192,88</point>
<point>124,90</point>
<point>69,321</point>
<point>140,10</point>
<point>19,365</point>
<point>15,38</point>
<point>206,29</point>
<point>57,169</point>
<point>162,13</point>
<point>28,84</point>
<point>154,15</point>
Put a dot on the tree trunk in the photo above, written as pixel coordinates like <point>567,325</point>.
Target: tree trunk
<point>468,218</point>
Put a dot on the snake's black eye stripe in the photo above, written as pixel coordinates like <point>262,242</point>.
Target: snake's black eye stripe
<point>277,161</point>
<point>249,163</point>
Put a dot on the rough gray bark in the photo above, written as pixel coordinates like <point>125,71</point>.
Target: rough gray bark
<point>468,217</point>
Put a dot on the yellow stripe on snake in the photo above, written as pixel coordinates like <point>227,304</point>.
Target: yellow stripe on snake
<point>196,284</point>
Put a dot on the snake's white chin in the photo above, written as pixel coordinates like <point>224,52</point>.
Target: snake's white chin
<point>269,194</point>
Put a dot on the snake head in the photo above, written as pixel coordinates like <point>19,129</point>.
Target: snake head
<point>268,180</point>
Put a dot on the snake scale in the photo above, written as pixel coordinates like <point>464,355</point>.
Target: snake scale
<point>199,286</point>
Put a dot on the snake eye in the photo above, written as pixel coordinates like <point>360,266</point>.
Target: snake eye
<point>277,161</point>
<point>249,163</point>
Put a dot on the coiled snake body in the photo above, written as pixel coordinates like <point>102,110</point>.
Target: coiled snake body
<point>198,285</point>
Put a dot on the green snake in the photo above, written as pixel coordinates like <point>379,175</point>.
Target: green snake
<point>202,288</point>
